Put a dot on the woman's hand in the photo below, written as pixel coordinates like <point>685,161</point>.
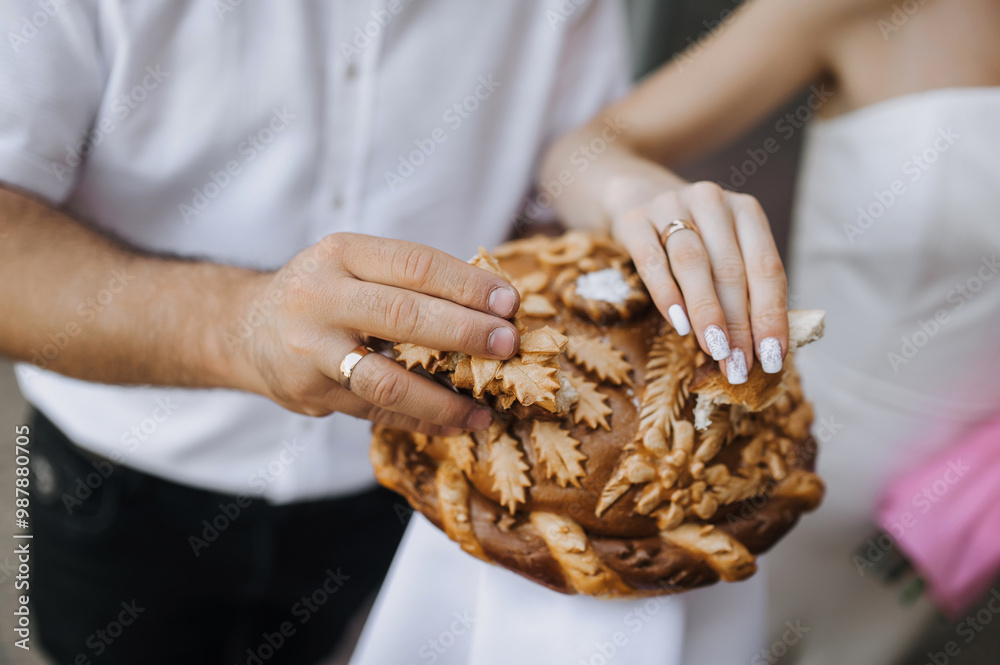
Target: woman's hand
<point>298,324</point>
<point>726,281</point>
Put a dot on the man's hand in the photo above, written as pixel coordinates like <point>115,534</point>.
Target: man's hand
<point>283,334</point>
<point>336,294</point>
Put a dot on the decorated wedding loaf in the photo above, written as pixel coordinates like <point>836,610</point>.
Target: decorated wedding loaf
<point>621,462</point>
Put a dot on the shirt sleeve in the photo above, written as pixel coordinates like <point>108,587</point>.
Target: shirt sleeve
<point>594,68</point>
<point>51,84</point>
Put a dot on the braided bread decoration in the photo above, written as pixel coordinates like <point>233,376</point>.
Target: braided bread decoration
<point>622,463</point>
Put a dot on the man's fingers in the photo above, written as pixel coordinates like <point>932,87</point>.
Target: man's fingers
<point>426,270</point>
<point>400,315</point>
<point>641,240</point>
<point>344,401</point>
<point>766,280</point>
<point>386,385</point>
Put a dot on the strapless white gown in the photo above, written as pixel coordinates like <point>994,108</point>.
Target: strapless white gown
<point>896,235</point>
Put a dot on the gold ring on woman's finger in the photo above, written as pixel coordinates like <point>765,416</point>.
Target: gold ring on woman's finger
<point>675,226</point>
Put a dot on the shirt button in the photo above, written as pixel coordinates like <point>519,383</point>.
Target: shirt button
<point>338,202</point>
<point>352,71</point>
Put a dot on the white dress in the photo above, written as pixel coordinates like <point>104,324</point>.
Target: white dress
<point>897,236</point>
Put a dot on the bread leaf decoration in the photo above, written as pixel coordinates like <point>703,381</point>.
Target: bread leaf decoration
<point>598,356</point>
<point>413,355</point>
<point>713,439</point>
<point>630,471</point>
<point>529,383</point>
<point>668,374</point>
<point>542,344</point>
<point>461,447</point>
<point>557,450</point>
<point>534,304</point>
<point>504,402</point>
<point>531,283</point>
<point>485,261</point>
<point>461,375</point>
<point>591,407</point>
<point>531,245</point>
<point>484,371</point>
<point>507,468</point>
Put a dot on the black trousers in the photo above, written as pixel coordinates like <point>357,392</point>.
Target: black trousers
<point>128,568</point>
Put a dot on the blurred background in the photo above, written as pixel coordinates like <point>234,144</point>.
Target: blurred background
<point>660,29</point>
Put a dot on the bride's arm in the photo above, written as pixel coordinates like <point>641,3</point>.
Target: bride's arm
<point>613,174</point>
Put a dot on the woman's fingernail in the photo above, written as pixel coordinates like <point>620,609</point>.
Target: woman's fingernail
<point>679,319</point>
<point>480,419</point>
<point>736,367</point>
<point>501,342</point>
<point>717,343</point>
<point>501,301</point>
<point>770,355</point>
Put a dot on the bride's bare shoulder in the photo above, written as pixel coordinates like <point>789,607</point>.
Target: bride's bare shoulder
<point>899,47</point>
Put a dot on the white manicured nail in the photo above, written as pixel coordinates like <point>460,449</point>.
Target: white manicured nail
<point>736,367</point>
<point>679,319</point>
<point>717,343</point>
<point>770,355</point>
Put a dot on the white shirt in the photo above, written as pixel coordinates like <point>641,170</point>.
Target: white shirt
<point>244,132</point>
